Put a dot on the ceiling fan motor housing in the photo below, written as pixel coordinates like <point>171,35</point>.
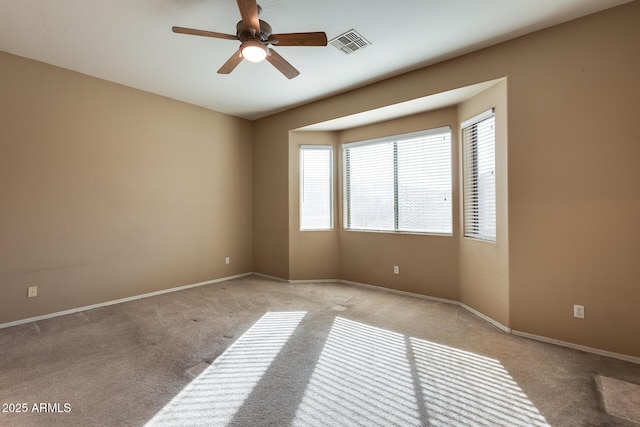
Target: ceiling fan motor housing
<point>244,33</point>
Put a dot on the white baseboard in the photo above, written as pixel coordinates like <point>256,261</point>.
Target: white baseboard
<point>307,282</point>
<point>398,292</point>
<point>578,347</point>
<point>277,279</point>
<point>430,298</point>
<point>297,282</point>
<point>486,318</point>
<point>475,312</point>
<point>118,301</point>
<point>502,327</point>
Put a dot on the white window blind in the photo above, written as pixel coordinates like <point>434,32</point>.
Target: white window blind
<point>478,135</point>
<point>316,187</point>
<point>401,183</point>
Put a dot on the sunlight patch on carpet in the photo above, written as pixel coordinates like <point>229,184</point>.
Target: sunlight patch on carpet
<point>371,376</point>
<point>214,397</point>
<point>621,399</point>
<point>362,377</point>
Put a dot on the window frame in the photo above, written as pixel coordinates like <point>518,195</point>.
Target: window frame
<point>470,184</point>
<point>397,139</point>
<point>301,182</point>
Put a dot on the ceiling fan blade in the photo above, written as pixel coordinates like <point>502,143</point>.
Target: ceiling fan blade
<point>249,13</point>
<point>281,64</point>
<point>299,39</point>
<point>231,63</point>
<point>203,33</point>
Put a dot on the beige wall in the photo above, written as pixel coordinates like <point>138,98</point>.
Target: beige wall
<point>108,192</point>
<point>574,182</point>
<point>271,199</point>
<point>573,193</point>
<point>484,266</point>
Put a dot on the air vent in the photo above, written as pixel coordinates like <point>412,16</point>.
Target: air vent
<point>349,42</point>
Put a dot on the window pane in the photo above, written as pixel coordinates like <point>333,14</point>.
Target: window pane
<point>370,187</point>
<point>316,182</point>
<point>424,184</point>
<point>480,180</point>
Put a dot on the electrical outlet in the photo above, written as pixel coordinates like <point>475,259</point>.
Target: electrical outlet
<point>578,311</point>
<point>396,269</point>
<point>227,260</point>
<point>32,292</point>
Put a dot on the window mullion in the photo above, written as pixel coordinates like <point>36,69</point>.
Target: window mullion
<point>475,178</point>
<point>347,190</point>
<point>396,225</point>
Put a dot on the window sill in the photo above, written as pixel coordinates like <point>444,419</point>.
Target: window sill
<point>413,233</point>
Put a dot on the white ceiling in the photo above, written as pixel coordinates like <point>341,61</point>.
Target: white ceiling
<point>131,42</point>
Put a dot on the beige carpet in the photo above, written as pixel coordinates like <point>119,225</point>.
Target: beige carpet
<point>255,352</point>
<point>621,399</point>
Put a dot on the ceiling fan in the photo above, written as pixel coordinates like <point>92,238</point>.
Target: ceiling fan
<point>255,36</point>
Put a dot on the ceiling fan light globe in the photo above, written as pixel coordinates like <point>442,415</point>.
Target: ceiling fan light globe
<point>254,51</point>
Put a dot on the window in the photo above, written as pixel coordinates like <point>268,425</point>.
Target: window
<point>478,136</point>
<point>316,187</point>
<point>400,183</point>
